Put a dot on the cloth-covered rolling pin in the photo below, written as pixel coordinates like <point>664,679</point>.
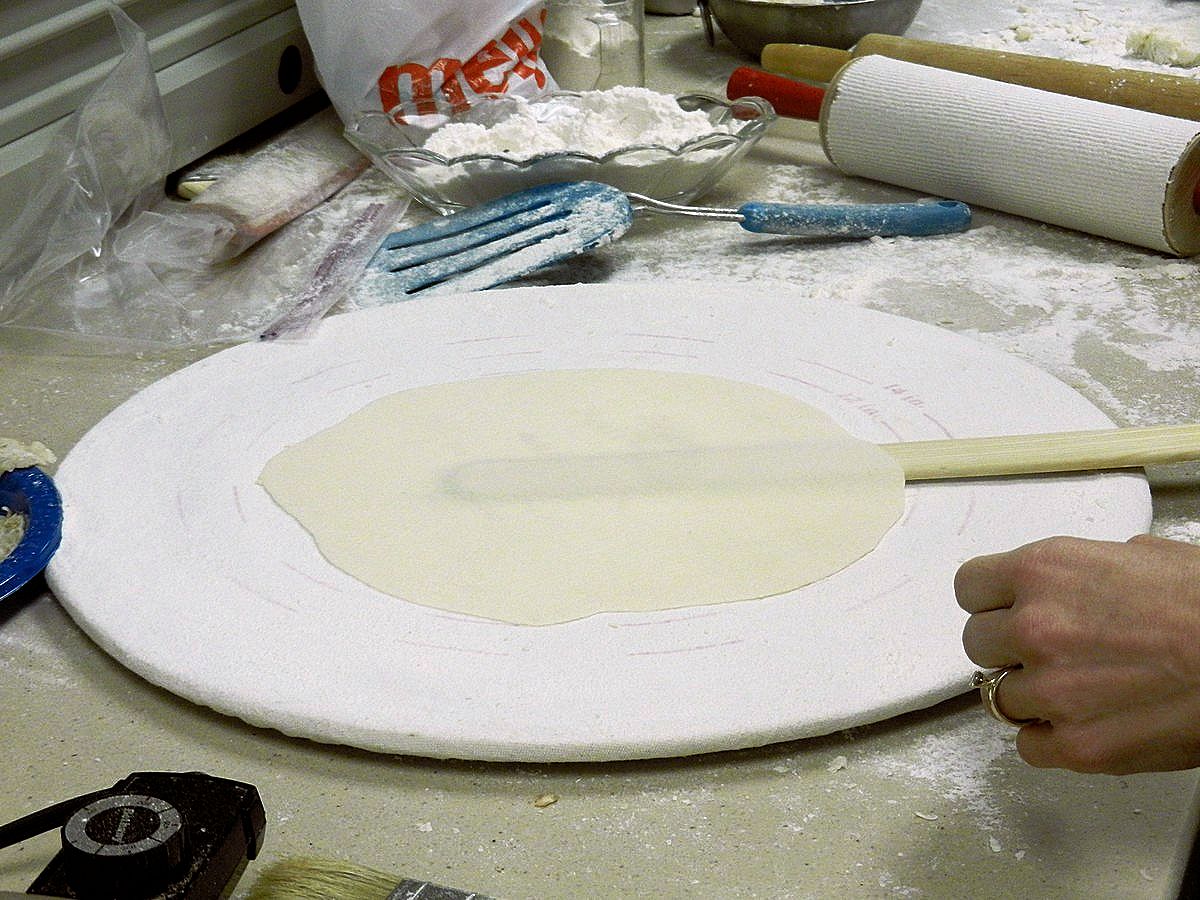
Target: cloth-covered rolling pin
<point>1168,95</point>
<point>798,99</point>
<point>1116,172</point>
<point>1107,170</point>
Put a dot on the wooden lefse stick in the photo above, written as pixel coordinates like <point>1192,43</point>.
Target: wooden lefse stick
<point>1077,451</point>
<point>1021,454</point>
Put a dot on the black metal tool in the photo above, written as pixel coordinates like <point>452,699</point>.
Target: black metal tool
<point>152,835</point>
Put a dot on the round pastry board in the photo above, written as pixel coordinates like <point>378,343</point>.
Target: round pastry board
<point>181,566</point>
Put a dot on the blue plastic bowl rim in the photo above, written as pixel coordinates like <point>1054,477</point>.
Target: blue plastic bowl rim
<point>31,492</point>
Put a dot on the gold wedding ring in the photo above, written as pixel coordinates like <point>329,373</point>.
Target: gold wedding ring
<point>988,683</point>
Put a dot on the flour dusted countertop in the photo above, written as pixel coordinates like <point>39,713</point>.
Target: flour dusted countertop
<point>932,804</point>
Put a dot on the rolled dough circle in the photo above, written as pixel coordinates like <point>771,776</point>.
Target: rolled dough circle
<point>543,497</point>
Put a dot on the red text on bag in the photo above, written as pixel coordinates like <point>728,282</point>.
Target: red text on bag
<point>457,81</point>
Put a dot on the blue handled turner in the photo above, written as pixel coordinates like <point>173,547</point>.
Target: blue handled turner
<point>509,237</point>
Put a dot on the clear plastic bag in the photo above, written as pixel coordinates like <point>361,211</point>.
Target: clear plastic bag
<point>100,255</point>
<point>112,149</point>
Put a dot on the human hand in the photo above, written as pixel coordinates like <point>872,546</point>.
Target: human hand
<point>1108,639</point>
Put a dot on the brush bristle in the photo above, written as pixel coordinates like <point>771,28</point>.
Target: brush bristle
<point>307,878</point>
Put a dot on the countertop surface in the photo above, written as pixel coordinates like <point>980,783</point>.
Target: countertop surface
<point>934,803</point>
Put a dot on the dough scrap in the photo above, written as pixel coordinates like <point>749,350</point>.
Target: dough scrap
<point>17,455</point>
<point>1173,45</point>
<point>12,529</point>
<point>545,497</point>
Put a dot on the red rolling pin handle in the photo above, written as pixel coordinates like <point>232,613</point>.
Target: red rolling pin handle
<point>791,98</point>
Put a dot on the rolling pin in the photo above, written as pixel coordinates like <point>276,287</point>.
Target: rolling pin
<point>1125,174</point>
<point>1169,95</point>
<point>800,100</point>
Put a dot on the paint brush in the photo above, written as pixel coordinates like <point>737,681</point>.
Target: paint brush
<point>307,878</point>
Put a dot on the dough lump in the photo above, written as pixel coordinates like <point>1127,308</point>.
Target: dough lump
<point>1174,45</point>
<point>544,497</point>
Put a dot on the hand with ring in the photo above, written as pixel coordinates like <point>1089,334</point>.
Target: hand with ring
<point>1095,648</point>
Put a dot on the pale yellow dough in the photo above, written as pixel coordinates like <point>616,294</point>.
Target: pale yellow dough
<point>17,455</point>
<point>1173,45</point>
<point>545,497</point>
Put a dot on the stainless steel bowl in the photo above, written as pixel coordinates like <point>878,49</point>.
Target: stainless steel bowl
<point>752,24</point>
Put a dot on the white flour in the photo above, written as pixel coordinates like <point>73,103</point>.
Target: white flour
<point>961,764</point>
<point>598,123</point>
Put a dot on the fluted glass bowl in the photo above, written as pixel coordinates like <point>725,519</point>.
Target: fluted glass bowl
<point>676,174</point>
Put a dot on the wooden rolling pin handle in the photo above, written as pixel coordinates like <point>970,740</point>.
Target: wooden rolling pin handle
<point>807,61</point>
<point>1081,451</point>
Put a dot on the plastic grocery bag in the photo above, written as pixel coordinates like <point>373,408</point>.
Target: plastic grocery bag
<point>419,58</point>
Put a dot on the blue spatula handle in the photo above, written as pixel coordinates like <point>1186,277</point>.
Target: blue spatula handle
<point>857,220</point>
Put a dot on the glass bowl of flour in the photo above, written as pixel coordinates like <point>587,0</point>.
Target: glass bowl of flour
<point>669,147</point>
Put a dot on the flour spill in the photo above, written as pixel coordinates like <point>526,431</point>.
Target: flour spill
<point>960,763</point>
